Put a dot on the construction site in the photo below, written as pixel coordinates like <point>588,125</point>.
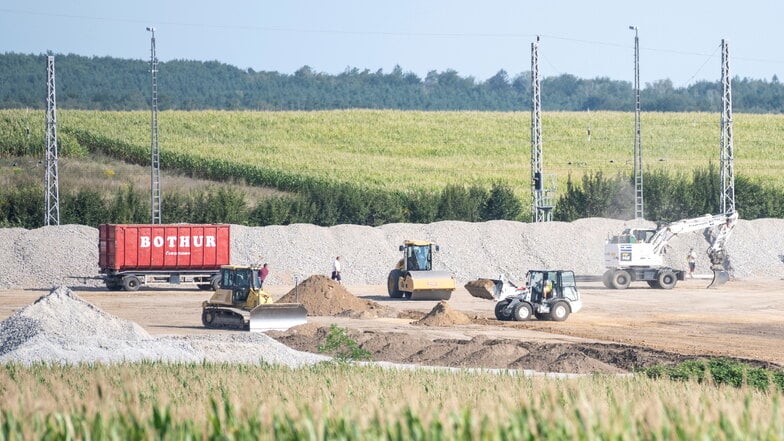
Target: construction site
<point>52,313</point>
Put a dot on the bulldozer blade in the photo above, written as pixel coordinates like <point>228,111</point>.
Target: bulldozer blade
<point>481,288</point>
<point>720,277</point>
<point>277,316</point>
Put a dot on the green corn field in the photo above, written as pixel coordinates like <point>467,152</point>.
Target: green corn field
<point>396,150</point>
<point>341,401</point>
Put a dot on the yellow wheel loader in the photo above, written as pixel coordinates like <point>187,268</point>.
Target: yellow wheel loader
<point>240,303</point>
<point>413,276</point>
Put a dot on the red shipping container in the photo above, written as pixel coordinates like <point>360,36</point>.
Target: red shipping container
<point>163,247</point>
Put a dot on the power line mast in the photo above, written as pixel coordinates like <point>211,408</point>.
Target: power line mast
<point>541,193</point>
<point>727,154</point>
<point>638,194</point>
<point>51,181</point>
<point>155,152</point>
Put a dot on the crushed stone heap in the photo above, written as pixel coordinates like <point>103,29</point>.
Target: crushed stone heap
<point>323,296</point>
<point>61,327</point>
<point>443,315</point>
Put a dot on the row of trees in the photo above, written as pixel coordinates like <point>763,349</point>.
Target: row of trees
<point>667,198</point>
<point>105,83</point>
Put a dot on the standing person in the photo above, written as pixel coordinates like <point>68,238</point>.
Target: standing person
<point>336,269</point>
<point>692,259</point>
<point>263,274</point>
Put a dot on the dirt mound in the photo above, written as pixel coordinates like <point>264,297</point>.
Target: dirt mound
<point>481,288</point>
<point>323,296</point>
<point>484,352</point>
<point>443,315</point>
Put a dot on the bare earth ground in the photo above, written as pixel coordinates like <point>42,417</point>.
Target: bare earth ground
<point>616,331</point>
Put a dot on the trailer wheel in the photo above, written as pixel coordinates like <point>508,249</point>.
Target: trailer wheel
<point>500,311</point>
<point>607,278</point>
<point>667,279</point>
<point>392,284</point>
<point>522,312</point>
<point>130,283</point>
<point>621,279</point>
<point>215,282</point>
<point>559,312</point>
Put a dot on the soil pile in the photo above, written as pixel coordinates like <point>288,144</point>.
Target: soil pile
<point>323,296</point>
<point>443,315</point>
<point>490,353</point>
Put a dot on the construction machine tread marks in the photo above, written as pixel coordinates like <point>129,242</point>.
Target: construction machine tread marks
<point>392,284</point>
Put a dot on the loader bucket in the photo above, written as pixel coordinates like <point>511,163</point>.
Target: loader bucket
<point>720,277</point>
<point>277,316</point>
<point>482,288</point>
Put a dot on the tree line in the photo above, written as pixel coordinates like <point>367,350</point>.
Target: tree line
<point>107,83</point>
<point>668,198</point>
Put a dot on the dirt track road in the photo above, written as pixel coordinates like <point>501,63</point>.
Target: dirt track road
<point>740,319</point>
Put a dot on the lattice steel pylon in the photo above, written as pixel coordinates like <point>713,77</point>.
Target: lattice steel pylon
<point>51,181</point>
<point>727,153</point>
<point>639,203</point>
<point>541,193</point>
<point>155,152</point>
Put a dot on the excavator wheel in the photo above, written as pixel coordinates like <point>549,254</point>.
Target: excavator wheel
<point>667,279</point>
<point>392,284</point>
<point>559,312</point>
<point>500,312</point>
<point>607,278</point>
<point>522,312</point>
<point>621,279</point>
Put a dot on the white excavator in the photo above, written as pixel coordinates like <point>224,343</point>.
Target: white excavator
<point>638,254</point>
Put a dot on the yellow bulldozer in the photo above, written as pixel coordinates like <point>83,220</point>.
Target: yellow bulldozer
<point>414,278</point>
<point>240,303</point>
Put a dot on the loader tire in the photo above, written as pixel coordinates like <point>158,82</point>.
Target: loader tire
<point>500,312</point>
<point>559,312</point>
<point>621,279</point>
<point>607,278</point>
<point>392,284</point>
<point>522,312</point>
<point>131,283</point>
<point>667,279</point>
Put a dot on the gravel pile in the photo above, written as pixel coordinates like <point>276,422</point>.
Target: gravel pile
<point>48,257</point>
<point>60,327</point>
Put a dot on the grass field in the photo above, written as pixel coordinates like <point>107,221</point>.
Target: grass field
<point>150,398</point>
<point>427,150</point>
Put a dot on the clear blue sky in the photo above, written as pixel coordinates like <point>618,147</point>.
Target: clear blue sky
<point>679,40</point>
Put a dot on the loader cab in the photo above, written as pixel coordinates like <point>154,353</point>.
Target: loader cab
<point>418,256</point>
<point>550,285</point>
<point>239,281</point>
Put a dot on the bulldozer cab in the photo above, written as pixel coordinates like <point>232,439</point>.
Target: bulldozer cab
<point>240,286</point>
<point>418,256</point>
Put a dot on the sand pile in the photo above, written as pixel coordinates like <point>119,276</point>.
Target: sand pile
<point>443,315</point>
<point>323,296</point>
<point>60,327</point>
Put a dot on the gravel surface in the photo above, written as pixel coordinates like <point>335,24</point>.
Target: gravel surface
<point>60,327</point>
<point>48,257</point>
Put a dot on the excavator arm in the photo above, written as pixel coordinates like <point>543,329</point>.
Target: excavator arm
<point>717,251</point>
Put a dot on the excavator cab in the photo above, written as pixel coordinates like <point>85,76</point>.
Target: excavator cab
<point>240,303</point>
